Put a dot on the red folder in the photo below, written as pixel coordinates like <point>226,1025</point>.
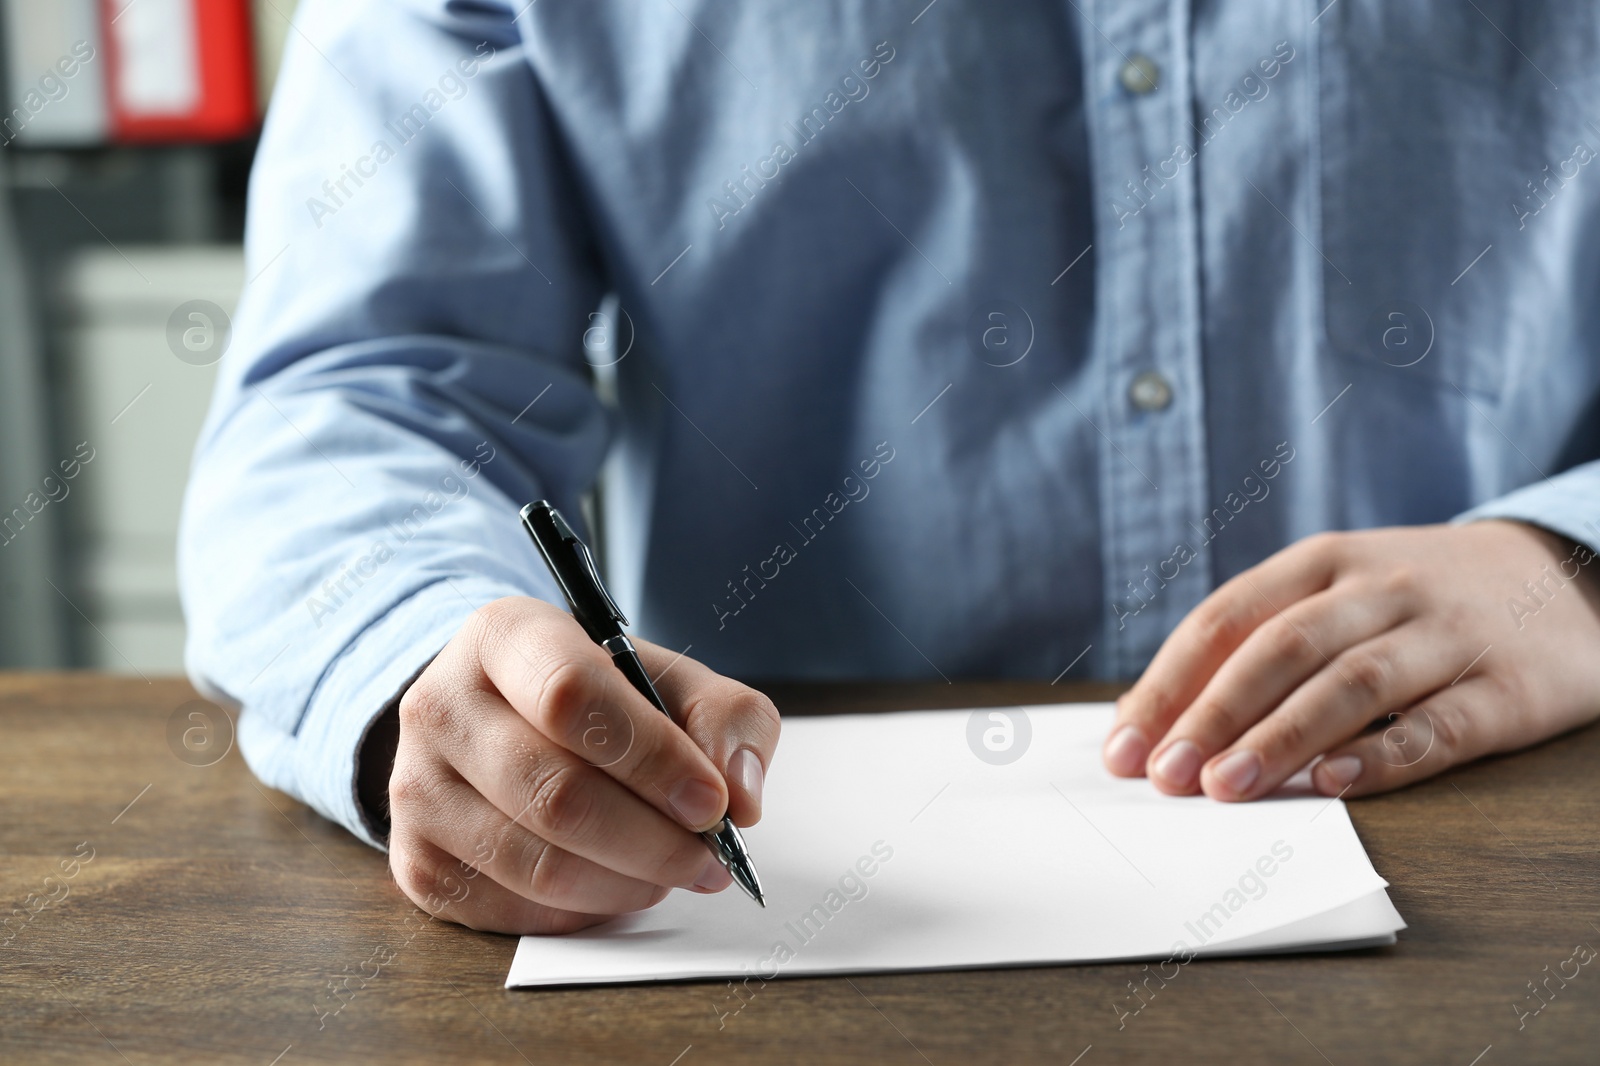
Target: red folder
<point>179,70</point>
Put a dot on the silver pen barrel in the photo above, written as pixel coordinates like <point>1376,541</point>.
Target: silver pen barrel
<point>728,846</point>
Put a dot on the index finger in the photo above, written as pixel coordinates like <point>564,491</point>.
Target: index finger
<point>735,725</point>
<point>540,662</point>
<point>1204,640</point>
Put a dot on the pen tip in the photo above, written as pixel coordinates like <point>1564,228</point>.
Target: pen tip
<point>746,877</point>
<point>728,846</point>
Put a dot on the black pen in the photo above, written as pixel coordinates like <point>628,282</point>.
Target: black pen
<point>573,568</point>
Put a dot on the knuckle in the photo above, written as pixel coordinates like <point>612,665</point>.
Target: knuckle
<point>515,852</point>
<point>483,626</point>
<point>1212,715</point>
<point>522,859</point>
<point>1462,627</point>
<point>496,616</point>
<point>527,767</point>
<point>1217,624</point>
<point>410,789</point>
<point>1151,702</point>
<point>504,846</point>
<point>552,876</point>
<point>1402,583</point>
<point>729,715</point>
<point>1513,690</point>
<point>1368,671</point>
<point>424,708</point>
<point>565,696</point>
<point>561,805</point>
<point>1326,546</point>
<point>756,707</point>
<point>494,627</point>
<point>414,873</point>
<point>1284,641</point>
<point>1449,729</point>
<point>1291,735</point>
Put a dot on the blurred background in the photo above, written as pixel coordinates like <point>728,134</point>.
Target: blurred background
<point>126,137</point>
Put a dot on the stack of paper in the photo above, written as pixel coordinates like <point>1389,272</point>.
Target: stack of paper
<point>908,842</point>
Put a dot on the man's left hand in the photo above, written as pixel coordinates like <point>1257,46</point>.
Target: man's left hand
<point>1392,654</point>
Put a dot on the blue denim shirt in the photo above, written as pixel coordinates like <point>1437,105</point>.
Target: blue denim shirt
<point>903,339</point>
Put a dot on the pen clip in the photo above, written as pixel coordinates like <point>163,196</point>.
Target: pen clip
<point>582,551</point>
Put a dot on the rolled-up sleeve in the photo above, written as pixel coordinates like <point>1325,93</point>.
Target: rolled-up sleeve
<point>406,371</point>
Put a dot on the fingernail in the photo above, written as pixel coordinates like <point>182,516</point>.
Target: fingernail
<point>745,768</point>
<point>696,802</point>
<point>714,878</point>
<point>1179,764</point>
<point>1238,771</point>
<point>1340,771</point>
<point>1126,751</point>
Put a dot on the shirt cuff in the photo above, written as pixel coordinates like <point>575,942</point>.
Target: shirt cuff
<point>1567,504</point>
<point>365,679</point>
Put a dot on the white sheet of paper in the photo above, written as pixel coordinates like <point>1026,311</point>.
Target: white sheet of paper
<point>888,844</point>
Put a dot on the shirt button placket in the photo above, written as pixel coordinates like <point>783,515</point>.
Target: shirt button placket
<point>1148,347</point>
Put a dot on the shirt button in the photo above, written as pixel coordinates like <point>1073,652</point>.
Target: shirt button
<point>1140,75</point>
<point>1150,391</point>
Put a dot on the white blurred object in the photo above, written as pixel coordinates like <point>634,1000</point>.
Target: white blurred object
<point>160,71</point>
<point>140,407</point>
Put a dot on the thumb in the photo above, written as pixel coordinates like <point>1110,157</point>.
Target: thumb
<point>736,726</point>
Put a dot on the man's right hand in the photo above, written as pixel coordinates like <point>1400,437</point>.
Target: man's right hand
<point>535,791</point>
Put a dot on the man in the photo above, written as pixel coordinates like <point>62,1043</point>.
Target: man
<point>945,342</point>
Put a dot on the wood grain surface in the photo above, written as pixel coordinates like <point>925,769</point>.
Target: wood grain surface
<point>164,911</point>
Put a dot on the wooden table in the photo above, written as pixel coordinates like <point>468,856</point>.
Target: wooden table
<point>213,915</point>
